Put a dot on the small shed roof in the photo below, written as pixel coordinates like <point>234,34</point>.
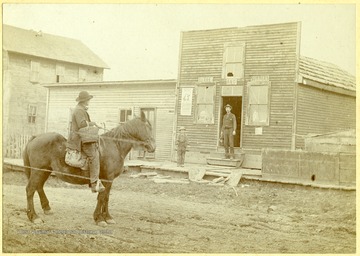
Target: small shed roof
<point>326,73</point>
<point>49,46</point>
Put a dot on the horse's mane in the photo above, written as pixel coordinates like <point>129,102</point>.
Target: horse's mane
<point>123,131</point>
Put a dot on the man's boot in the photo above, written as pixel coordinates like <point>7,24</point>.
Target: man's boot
<point>227,156</point>
<point>96,184</point>
<point>232,155</point>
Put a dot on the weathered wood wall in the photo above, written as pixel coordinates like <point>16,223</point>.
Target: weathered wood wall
<point>271,50</point>
<point>321,111</point>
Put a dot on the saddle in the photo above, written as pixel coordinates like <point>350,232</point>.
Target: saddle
<point>76,159</point>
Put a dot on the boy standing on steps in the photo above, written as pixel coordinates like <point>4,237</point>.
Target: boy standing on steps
<point>181,142</point>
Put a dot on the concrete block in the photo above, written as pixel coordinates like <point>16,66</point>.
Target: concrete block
<point>196,174</point>
<point>347,163</point>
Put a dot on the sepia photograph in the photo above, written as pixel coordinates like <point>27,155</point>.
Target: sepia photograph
<point>179,128</point>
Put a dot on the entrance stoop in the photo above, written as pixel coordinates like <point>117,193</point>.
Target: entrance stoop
<point>218,159</point>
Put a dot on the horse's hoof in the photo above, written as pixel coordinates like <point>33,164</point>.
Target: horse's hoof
<point>110,221</point>
<point>48,212</point>
<point>101,223</point>
<point>38,221</point>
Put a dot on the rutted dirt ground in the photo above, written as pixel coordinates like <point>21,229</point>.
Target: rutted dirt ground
<point>182,218</point>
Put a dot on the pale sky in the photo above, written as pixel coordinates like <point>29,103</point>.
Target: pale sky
<point>141,41</point>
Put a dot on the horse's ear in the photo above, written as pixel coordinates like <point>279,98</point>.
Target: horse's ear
<point>142,116</point>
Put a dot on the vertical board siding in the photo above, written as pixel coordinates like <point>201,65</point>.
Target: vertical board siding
<point>321,111</point>
<point>108,99</point>
<point>269,50</point>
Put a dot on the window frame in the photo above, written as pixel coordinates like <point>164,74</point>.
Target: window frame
<point>34,71</point>
<point>126,109</point>
<point>205,103</point>
<point>82,74</point>
<point>258,83</point>
<point>32,114</point>
<point>59,73</point>
<point>227,47</point>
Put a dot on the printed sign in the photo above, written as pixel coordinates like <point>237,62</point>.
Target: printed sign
<point>186,101</point>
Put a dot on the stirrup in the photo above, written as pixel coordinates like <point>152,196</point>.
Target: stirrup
<point>98,187</point>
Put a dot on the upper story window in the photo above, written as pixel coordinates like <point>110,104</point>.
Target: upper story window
<point>34,71</point>
<point>32,109</point>
<point>258,101</point>
<point>233,64</point>
<point>82,74</point>
<point>60,73</point>
<point>205,104</point>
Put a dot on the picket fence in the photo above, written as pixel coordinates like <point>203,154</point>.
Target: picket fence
<point>15,144</point>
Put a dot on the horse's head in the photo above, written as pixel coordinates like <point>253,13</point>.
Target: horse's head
<point>143,132</point>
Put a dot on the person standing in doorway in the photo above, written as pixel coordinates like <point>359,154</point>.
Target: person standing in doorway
<point>181,142</point>
<point>228,132</point>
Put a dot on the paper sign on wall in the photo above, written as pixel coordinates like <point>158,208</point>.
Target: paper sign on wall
<point>258,130</point>
<point>186,101</point>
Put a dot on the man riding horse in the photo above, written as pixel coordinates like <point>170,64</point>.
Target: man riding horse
<point>90,147</point>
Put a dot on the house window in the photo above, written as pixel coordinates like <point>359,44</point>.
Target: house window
<point>125,115</point>
<point>234,61</point>
<point>205,104</point>
<point>82,74</point>
<point>35,71</point>
<point>258,103</point>
<point>31,114</point>
<point>60,73</point>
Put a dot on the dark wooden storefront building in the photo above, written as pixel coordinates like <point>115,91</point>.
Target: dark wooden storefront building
<point>277,95</point>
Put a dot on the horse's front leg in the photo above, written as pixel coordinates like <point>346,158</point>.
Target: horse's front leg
<point>100,210</point>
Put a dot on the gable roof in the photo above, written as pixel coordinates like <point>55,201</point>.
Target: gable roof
<point>326,73</point>
<point>49,46</point>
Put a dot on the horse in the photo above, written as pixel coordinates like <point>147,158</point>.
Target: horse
<point>45,153</point>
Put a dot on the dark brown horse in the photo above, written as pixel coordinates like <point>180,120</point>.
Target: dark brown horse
<point>47,152</point>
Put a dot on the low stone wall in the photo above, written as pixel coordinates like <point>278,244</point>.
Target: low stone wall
<point>309,167</point>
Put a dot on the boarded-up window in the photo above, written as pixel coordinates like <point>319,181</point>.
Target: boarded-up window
<point>82,74</point>
<point>60,73</point>
<point>34,71</point>
<point>205,104</point>
<point>32,114</point>
<point>258,107</point>
<point>125,115</point>
<point>234,61</point>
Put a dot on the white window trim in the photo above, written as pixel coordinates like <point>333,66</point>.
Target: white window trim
<point>258,83</point>
<point>126,109</point>
<point>197,103</point>
<point>60,71</point>
<point>226,46</point>
<point>30,114</point>
<point>82,74</point>
<point>34,71</point>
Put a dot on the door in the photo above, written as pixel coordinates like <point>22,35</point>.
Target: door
<point>236,103</point>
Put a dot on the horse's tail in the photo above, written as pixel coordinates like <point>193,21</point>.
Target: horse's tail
<point>26,159</point>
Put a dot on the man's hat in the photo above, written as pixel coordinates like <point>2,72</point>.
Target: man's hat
<point>228,105</point>
<point>84,96</point>
<point>182,128</point>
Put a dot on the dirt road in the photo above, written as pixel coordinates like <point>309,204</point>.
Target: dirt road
<point>181,218</point>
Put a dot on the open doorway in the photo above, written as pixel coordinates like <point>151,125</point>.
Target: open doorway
<point>236,103</point>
